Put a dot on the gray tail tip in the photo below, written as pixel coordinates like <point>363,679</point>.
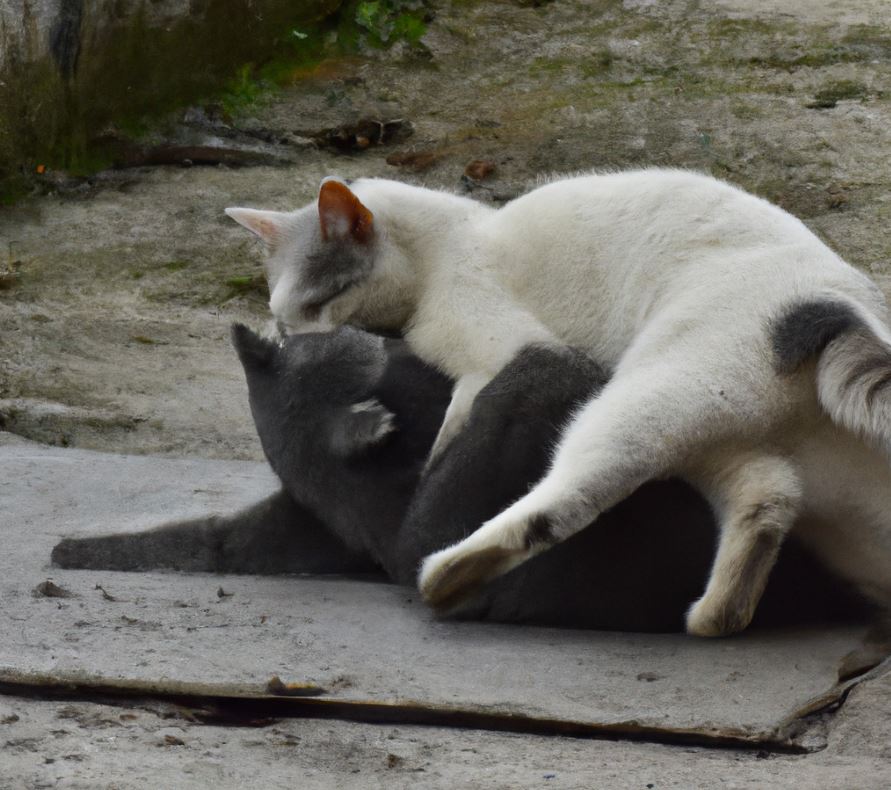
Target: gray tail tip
<point>64,553</point>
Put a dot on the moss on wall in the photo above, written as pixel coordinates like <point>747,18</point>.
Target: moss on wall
<point>109,67</point>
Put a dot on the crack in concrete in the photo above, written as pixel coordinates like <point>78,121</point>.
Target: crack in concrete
<point>812,720</point>
<point>234,705</point>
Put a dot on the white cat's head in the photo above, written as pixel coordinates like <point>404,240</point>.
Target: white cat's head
<point>330,263</point>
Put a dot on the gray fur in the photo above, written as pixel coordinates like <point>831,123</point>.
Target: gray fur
<point>333,458</point>
<point>275,535</point>
<point>853,362</point>
<point>806,328</point>
<point>335,266</point>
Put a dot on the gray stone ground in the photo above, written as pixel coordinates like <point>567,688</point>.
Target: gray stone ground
<point>116,297</point>
<point>361,642</point>
<point>79,745</point>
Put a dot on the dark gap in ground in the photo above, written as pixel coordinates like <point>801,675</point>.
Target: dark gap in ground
<point>234,707</point>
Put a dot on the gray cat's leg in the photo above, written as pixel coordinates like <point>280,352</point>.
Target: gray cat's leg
<point>756,498</point>
<point>641,426</point>
<point>275,535</point>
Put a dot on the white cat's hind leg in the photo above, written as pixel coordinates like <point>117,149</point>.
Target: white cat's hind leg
<point>641,425</point>
<point>756,498</point>
<point>451,576</point>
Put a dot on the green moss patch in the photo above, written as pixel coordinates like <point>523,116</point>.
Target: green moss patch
<point>65,111</point>
<point>834,92</point>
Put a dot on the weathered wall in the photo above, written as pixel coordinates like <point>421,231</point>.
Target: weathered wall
<point>31,29</point>
<point>25,26</point>
<point>71,68</point>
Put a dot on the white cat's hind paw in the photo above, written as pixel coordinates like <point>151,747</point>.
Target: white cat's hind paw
<point>710,619</point>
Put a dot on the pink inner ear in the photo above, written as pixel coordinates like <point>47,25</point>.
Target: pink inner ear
<point>266,229</point>
<point>342,215</point>
<point>267,225</point>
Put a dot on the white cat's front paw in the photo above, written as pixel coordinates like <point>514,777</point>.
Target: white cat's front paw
<point>433,566</point>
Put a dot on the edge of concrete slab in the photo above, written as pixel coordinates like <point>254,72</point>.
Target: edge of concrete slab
<point>245,705</point>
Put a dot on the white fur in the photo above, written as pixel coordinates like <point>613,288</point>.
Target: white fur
<point>670,279</point>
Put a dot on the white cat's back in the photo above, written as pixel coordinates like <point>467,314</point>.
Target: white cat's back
<point>732,333</point>
<point>597,257</point>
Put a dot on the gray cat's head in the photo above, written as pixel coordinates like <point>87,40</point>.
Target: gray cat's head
<point>329,263</point>
<point>311,394</point>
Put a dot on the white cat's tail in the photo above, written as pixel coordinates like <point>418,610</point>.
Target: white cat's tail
<point>853,355</point>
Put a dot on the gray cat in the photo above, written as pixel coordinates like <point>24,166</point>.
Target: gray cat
<point>347,419</point>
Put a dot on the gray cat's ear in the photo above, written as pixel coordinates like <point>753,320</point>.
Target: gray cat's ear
<point>253,351</point>
<point>361,426</point>
<point>271,226</point>
<point>341,214</point>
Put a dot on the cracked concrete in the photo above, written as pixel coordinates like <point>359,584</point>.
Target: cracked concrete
<point>370,650</point>
<point>378,636</point>
<point>88,745</point>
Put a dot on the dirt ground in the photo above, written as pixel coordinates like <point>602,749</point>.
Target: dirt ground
<point>117,292</point>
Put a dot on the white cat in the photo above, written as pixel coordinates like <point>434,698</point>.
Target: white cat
<point>747,357</point>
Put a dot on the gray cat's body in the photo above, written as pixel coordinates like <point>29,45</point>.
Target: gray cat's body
<point>347,420</point>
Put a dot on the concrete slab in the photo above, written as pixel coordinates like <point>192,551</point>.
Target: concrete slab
<point>362,642</point>
<point>83,745</point>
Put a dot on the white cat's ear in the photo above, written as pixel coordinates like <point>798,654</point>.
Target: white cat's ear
<point>268,225</point>
<point>342,215</point>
